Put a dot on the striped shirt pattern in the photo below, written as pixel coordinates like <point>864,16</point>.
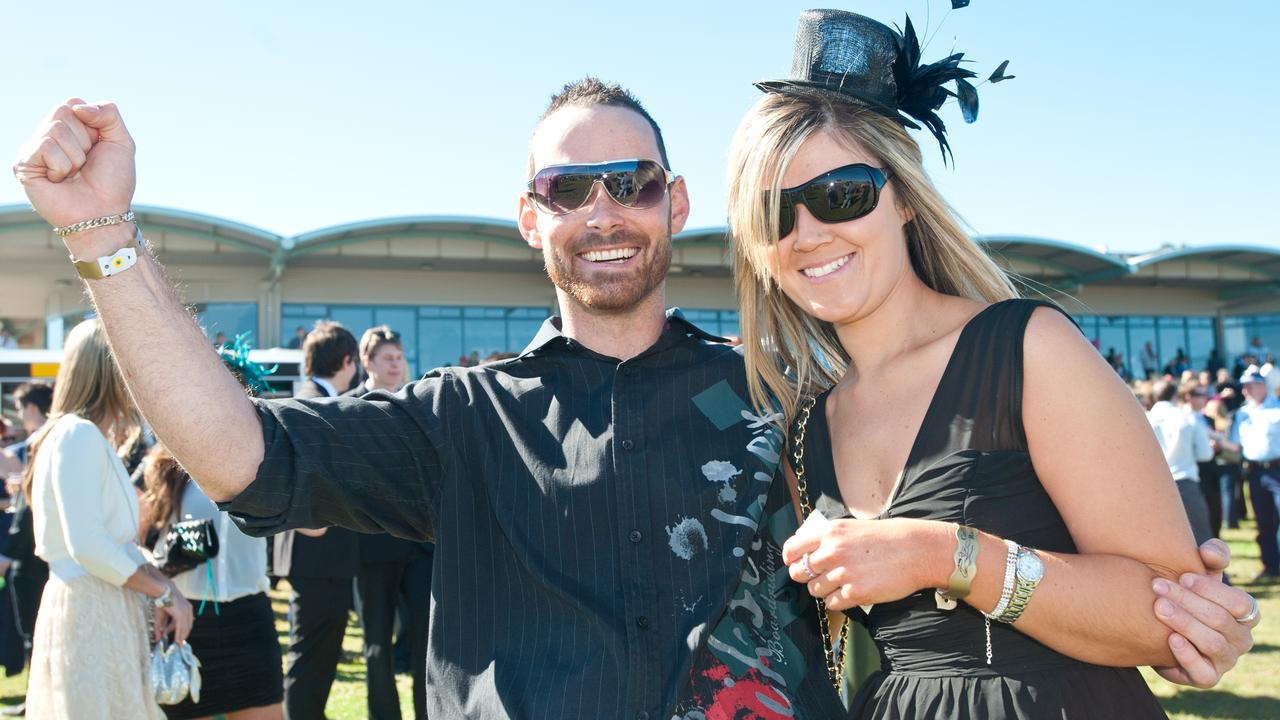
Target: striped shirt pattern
<point>608,533</point>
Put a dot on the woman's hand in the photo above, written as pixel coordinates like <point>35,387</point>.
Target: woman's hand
<point>176,618</point>
<point>864,562</point>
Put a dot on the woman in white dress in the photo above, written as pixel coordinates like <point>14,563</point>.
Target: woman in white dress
<point>90,650</point>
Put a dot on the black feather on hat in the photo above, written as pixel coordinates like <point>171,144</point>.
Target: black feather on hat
<point>856,59</point>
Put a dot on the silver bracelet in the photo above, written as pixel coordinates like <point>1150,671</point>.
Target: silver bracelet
<point>1006,593</point>
<point>1010,572</point>
<point>104,221</point>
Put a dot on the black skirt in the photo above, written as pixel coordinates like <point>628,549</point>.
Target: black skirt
<point>239,655</point>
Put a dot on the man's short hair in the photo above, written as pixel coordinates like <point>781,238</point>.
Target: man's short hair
<point>326,348</point>
<point>1191,387</point>
<point>35,393</point>
<point>1164,391</point>
<point>590,92</point>
<point>375,337</point>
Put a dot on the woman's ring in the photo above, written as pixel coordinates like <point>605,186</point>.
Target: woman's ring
<point>808,570</point>
<point>1253,613</point>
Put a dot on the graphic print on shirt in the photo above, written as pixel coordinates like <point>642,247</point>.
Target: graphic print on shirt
<point>749,666</point>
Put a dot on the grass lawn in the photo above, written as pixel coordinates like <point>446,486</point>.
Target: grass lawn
<point>1250,692</point>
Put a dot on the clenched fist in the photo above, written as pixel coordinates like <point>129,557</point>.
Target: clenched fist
<point>79,165</point>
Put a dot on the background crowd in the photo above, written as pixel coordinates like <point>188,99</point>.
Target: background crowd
<point>330,572</point>
<point>1220,429</point>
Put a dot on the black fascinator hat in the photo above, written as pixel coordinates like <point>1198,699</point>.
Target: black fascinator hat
<point>853,58</point>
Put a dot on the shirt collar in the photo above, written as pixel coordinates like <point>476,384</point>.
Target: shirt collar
<point>328,386</point>
<point>677,326</point>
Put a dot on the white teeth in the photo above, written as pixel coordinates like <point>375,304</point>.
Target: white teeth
<point>607,255</point>
<point>827,269</point>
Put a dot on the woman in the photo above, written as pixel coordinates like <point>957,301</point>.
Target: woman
<point>90,650</point>
<point>234,634</point>
<point>1006,465</point>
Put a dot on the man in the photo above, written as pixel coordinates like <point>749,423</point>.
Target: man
<point>608,527</point>
<point>1185,441</point>
<point>1256,435</point>
<point>299,336</point>
<point>394,573</point>
<point>319,564</point>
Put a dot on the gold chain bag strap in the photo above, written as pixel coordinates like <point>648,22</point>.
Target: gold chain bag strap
<point>833,650</point>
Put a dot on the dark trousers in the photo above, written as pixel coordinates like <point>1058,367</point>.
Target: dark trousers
<point>1264,489</point>
<point>1231,487</point>
<point>1197,513</point>
<point>381,587</point>
<point>318,609</point>
<point>1212,492</point>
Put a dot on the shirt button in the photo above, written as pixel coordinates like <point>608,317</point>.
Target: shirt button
<point>627,445</point>
<point>642,622</point>
<point>642,715</point>
<point>629,371</point>
<point>635,536</point>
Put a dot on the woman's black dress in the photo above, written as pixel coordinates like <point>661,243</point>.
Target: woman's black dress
<point>970,465</point>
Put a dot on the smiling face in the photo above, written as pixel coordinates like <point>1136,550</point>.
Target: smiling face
<point>603,256</point>
<point>839,272</point>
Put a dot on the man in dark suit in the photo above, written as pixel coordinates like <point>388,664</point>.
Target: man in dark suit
<point>318,563</point>
<point>393,573</point>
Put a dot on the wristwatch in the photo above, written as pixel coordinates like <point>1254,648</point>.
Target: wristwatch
<point>165,600</point>
<point>1030,571</point>
<point>115,263</point>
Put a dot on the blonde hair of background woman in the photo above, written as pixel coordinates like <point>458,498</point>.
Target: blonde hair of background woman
<point>88,385</point>
<point>789,353</point>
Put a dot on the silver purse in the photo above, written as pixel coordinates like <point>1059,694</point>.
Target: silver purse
<point>175,673</point>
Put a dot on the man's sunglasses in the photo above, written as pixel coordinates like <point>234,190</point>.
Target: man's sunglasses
<point>560,189</point>
<point>846,193</point>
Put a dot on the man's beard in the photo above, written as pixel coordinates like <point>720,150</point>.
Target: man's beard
<point>610,291</point>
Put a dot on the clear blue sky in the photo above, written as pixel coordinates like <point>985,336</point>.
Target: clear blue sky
<point>1130,124</point>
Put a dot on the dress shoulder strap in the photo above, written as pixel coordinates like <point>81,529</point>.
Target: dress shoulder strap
<point>986,395</point>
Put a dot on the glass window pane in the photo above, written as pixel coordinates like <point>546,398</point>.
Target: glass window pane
<point>439,343</point>
<point>520,332</point>
<point>1172,333</point>
<point>1113,338</point>
<point>355,318</point>
<point>1142,330</point>
<point>231,319</point>
<point>484,336</point>
<point>1201,339</point>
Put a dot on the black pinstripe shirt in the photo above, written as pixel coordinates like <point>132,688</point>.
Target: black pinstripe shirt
<point>607,532</point>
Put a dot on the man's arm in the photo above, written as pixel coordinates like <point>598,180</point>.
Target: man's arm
<point>80,166</point>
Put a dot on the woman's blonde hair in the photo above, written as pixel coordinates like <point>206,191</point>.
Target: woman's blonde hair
<point>791,354</point>
<point>89,385</point>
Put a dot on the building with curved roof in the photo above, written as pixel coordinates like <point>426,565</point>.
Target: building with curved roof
<point>458,287</point>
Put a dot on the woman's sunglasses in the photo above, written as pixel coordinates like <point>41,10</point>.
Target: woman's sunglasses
<point>560,189</point>
<point>846,193</point>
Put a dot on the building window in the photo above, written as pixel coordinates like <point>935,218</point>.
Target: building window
<point>1128,335</point>
<point>717,322</point>
<point>229,318</point>
<point>433,335</point>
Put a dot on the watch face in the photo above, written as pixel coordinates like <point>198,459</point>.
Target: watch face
<point>1030,567</point>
